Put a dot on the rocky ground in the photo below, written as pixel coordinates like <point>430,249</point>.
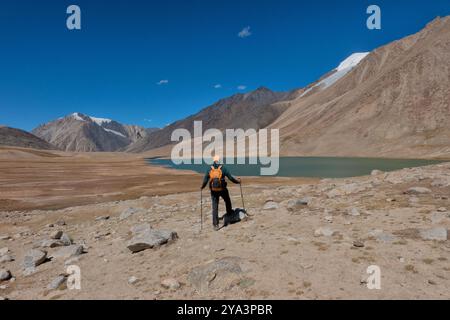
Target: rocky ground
<point>307,241</point>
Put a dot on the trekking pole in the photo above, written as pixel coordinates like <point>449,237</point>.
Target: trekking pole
<point>242,197</point>
<point>201,210</point>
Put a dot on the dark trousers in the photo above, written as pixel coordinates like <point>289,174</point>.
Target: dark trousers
<point>215,197</point>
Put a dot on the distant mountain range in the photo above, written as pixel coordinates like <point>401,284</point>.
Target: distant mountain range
<point>82,133</point>
<point>256,110</point>
<point>391,102</point>
<point>19,138</point>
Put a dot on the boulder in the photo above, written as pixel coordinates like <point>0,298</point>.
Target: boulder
<point>146,238</point>
<point>5,275</point>
<point>68,252</point>
<point>56,235</point>
<point>34,258</point>
<point>66,239</point>
<point>60,282</point>
<point>220,274</point>
<point>439,234</point>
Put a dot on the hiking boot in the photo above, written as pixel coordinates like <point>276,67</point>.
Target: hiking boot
<point>216,228</point>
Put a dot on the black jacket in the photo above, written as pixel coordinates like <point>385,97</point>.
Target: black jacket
<point>225,173</point>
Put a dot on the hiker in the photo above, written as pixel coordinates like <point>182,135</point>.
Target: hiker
<point>216,177</point>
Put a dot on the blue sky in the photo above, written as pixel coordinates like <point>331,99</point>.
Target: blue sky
<point>115,65</point>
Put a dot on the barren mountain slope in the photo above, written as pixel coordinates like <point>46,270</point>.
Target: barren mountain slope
<point>19,138</point>
<point>395,103</point>
<point>255,110</point>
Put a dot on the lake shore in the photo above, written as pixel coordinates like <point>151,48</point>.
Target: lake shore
<point>324,234</point>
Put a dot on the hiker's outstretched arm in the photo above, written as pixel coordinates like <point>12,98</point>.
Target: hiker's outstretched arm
<point>231,178</point>
<point>205,180</point>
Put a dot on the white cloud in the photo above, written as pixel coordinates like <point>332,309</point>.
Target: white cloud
<point>162,82</point>
<point>218,86</point>
<point>148,120</point>
<point>241,87</point>
<point>244,33</point>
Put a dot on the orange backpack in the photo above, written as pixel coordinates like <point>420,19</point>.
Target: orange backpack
<point>215,177</point>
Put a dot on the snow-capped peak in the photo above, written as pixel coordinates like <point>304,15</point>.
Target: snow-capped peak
<point>352,61</point>
<point>100,121</point>
<point>77,116</point>
<point>81,117</point>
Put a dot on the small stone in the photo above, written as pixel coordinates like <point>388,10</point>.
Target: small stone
<point>49,244</point>
<point>418,190</point>
<point>59,283</point>
<point>437,217</point>
<point>324,231</point>
<point>5,275</point>
<point>4,251</point>
<point>102,218</point>
<point>6,258</point>
<point>133,280</point>
<point>358,244</point>
<point>432,282</point>
<point>298,202</point>
<point>4,238</point>
<point>34,258</point>
<point>329,219</point>
<point>71,261</point>
<point>442,209</point>
<point>170,283</point>
<point>56,235</point>
<point>376,172</point>
<point>66,239</point>
<point>354,212</point>
<point>271,205</point>
<point>60,223</point>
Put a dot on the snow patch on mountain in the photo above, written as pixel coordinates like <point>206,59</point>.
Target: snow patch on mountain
<point>100,121</point>
<point>114,132</point>
<point>344,68</point>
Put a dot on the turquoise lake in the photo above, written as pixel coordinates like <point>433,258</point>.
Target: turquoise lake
<point>311,167</point>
